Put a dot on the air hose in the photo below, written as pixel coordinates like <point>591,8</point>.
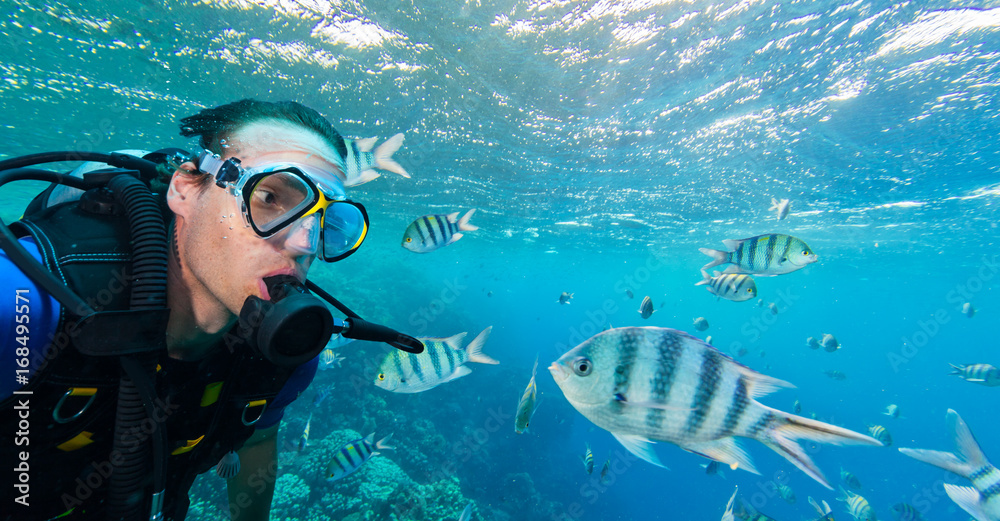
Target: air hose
<point>136,393</point>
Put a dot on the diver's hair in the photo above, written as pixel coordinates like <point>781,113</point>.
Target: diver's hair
<point>219,123</point>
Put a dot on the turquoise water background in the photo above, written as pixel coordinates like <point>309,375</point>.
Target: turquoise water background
<point>602,143</point>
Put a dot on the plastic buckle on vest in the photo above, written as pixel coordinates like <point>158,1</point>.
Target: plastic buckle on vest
<point>74,392</point>
<point>261,405</point>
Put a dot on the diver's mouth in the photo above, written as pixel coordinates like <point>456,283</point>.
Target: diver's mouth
<point>262,286</point>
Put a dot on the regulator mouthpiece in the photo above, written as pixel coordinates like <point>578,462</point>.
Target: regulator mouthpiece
<point>291,328</point>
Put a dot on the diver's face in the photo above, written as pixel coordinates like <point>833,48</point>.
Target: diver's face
<point>226,259</point>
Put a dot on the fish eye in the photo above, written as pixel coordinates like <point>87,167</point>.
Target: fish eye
<point>582,366</point>
<point>381,376</point>
<point>409,239</point>
<point>805,252</point>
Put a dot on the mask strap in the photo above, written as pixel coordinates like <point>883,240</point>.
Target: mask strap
<point>224,171</point>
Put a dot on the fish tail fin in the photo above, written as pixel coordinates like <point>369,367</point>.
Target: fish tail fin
<point>705,278</point>
<point>785,429</point>
<point>463,223</point>
<point>968,498</point>
<point>534,370</point>
<point>956,369</point>
<point>718,257</point>
<point>382,444</point>
<point>475,348</point>
<point>774,204</point>
<point>384,152</point>
<point>967,458</point>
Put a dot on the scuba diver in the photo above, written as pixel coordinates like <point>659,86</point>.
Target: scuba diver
<point>163,320</point>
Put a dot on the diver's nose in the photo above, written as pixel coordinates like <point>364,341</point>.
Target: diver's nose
<point>303,236</point>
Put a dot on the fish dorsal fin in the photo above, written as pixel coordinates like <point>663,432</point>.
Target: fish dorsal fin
<point>732,244</point>
<point>762,385</point>
<point>640,446</point>
<point>455,341</point>
<point>452,217</point>
<point>365,144</point>
<point>725,450</point>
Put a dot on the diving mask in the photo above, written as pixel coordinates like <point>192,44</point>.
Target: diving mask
<point>309,202</point>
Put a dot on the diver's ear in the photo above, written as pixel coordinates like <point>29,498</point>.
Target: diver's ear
<point>183,189</point>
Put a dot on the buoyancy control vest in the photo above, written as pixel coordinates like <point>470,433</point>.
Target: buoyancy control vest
<point>208,407</point>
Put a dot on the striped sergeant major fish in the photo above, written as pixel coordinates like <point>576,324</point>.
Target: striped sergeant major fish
<point>588,460</point>
<point>442,360</point>
<point>982,499</point>
<point>764,255</point>
<point>648,383</point>
<point>528,404</point>
<point>857,506</point>
<point>906,512</point>
<point>984,374</point>
<point>646,307</point>
<point>304,437</point>
<point>849,479</point>
<point>353,454</point>
<point>431,232</point>
<point>360,162</point>
<point>737,287</point>
<point>881,434</point>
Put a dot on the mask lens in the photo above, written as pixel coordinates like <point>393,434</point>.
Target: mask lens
<point>345,225</point>
<point>276,199</point>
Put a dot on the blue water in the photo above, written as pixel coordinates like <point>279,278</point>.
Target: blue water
<point>601,143</point>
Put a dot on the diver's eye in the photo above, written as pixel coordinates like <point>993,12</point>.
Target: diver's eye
<point>582,366</point>
<point>381,376</point>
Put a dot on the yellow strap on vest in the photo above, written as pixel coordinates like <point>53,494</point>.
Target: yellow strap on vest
<point>211,394</point>
<point>190,445</point>
<point>78,441</point>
